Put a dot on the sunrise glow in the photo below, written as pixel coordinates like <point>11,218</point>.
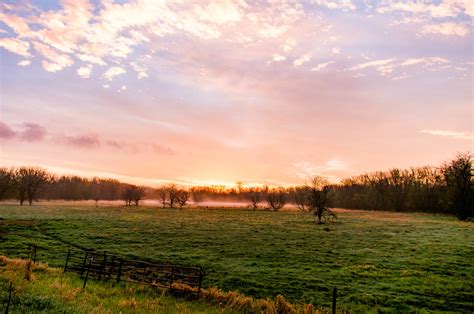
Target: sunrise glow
<point>211,93</point>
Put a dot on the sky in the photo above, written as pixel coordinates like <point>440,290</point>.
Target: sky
<point>204,93</point>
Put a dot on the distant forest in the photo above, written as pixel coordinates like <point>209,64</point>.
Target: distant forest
<point>445,189</point>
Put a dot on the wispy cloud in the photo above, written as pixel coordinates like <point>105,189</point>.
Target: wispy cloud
<point>451,134</point>
<point>438,9</point>
<point>336,4</point>
<point>113,72</point>
<point>17,46</point>
<point>302,60</point>
<point>450,28</point>
<point>78,30</point>
<point>278,57</point>
<point>140,69</point>
<point>331,167</point>
<point>322,66</point>
<point>24,63</point>
<point>444,17</point>
<point>389,67</point>
<point>56,61</point>
<point>427,61</point>
<point>85,71</point>
<point>370,64</point>
<point>81,141</point>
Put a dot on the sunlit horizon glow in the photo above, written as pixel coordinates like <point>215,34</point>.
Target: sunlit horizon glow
<point>212,93</point>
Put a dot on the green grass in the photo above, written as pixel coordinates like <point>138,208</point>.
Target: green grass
<point>52,291</point>
<point>377,260</point>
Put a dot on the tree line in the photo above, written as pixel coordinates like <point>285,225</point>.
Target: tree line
<point>444,189</point>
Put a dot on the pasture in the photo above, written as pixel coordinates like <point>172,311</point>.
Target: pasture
<point>377,260</point>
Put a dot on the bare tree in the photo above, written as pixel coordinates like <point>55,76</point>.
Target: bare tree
<point>127,194</point>
<point>301,197</point>
<point>138,194</point>
<point>427,183</point>
<point>255,196</point>
<point>319,197</point>
<point>197,194</point>
<point>182,197</point>
<point>30,181</point>
<point>276,198</point>
<point>95,187</point>
<point>163,194</point>
<point>172,190</point>
<point>459,181</point>
<point>7,183</point>
<point>399,182</point>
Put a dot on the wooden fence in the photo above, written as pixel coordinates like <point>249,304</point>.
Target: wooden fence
<point>110,267</point>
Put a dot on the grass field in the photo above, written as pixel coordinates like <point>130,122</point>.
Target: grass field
<point>377,260</point>
<point>52,291</point>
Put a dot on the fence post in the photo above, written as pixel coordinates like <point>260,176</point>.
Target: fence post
<point>334,296</point>
<point>111,269</point>
<point>119,273</point>
<point>200,282</point>
<point>87,273</point>
<point>143,274</point>
<point>172,277</point>
<point>67,260</point>
<point>9,297</point>
<point>34,253</point>
<point>84,263</point>
<point>102,267</point>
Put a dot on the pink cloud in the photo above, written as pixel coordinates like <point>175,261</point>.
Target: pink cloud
<point>82,141</point>
<point>29,132</point>
<point>160,149</point>
<point>32,132</point>
<point>6,132</point>
<point>114,144</point>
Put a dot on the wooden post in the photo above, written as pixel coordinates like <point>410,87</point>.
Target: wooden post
<point>119,273</point>
<point>334,296</point>
<point>102,267</point>
<point>9,297</point>
<point>172,277</point>
<point>87,273</point>
<point>34,254</point>
<point>200,282</point>
<point>67,260</point>
<point>84,263</point>
<point>111,269</point>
